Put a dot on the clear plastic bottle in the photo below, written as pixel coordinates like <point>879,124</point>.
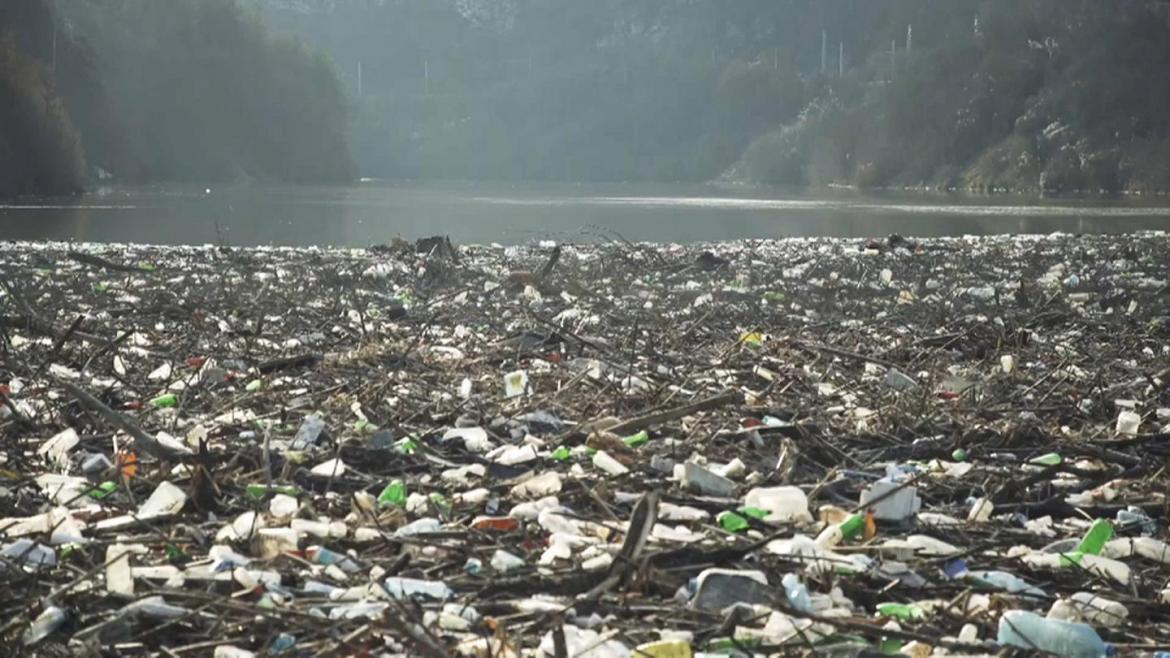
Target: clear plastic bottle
<point>48,621</point>
<point>797,593</point>
<point>1028,630</point>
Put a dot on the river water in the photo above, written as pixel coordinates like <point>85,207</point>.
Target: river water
<point>374,213</point>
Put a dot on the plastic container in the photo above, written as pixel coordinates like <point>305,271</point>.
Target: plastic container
<point>898,506</point>
<point>515,384</point>
<point>665,649</point>
<point>981,510</point>
<point>783,504</point>
<point>715,589</point>
<point>1128,423</point>
<point>1030,631</point>
<point>702,481</point>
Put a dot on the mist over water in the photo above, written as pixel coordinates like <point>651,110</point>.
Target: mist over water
<point>512,213</point>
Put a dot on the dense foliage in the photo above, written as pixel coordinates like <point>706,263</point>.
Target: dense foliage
<point>183,90</point>
<point>1060,94</point>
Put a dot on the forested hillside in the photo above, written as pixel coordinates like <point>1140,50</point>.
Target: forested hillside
<point>1026,94</point>
<point>1053,95</point>
<point>143,91</point>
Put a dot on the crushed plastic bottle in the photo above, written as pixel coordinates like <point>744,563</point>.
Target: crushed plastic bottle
<point>1029,631</point>
<point>308,433</point>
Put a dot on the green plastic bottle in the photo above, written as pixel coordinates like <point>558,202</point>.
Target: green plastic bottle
<point>562,454</point>
<point>1094,540</point>
<point>733,522</point>
<point>1049,459</point>
<point>637,439</point>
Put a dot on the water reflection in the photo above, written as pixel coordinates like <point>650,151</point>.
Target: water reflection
<point>368,214</point>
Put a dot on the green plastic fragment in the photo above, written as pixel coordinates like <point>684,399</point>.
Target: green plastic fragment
<point>901,611</point>
<point>393,494</point>
<point>959,455</point>
<point>754,512</point>
<point>637,439</point>
<point>562,454</point>
<point>102,490</point>
<point>774,296</point>
<point>438,500</point>
<point>254,385</point>
<point>1049,459</point>
<point>146,267</point>
<point>259,491</point>
<point>174,553</point>
<point>165,400</point>
<point>406,445</point>
<point>364,427</point>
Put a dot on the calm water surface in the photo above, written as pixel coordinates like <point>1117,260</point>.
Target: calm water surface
<point>374,213</point>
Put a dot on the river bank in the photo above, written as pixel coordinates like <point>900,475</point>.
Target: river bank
<point>434,449</point>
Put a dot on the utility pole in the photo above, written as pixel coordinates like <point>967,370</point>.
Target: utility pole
<point>54,45</point>
<point>426,78</point>
<point>909,39</point>
<point>824,51</point>
<point>841,60</point>
<point>360,89</point>
<point>893,59</point>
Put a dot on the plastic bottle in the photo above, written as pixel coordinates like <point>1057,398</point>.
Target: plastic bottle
<point>1090,608</point>
<point>836,533</point>
<point>782,503</point>
<point>797,593</point>
<point>1008,582</point>
<point>1135,516</point>
<point>604,462</point>
<point>1095,538</point>
<point>1028,630</point>
<point>402,588</point>
<point>1047,459</point>
<point>48,621</point>
<point>1118,571</point>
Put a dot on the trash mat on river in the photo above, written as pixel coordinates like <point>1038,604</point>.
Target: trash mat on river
<point>783,447</point>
